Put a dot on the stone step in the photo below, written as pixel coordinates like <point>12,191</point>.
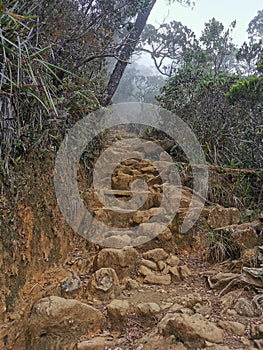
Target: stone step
<point>121,193</point>
<point>132,200</point>
<point>115,216</point>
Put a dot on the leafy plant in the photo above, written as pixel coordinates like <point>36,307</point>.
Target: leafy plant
<point>250,89</point>
<point>24,66</point>
<point>36,94</point>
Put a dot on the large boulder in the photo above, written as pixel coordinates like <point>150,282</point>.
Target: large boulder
<point>123,261</point>
<point>192,330</point>
<point>61,319</point>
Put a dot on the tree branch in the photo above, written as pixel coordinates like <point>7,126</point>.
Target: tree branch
<point>126,53</point>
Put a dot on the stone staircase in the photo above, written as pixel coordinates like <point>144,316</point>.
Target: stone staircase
<point>137,198</point>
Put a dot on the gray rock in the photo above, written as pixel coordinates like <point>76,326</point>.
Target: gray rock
<point>71,283</point>
<point>244,308</point>
<point>123,261</point>
<point>63,319</point>
<point>156,254</point>
<point>103,285</point>
<point>158,279</point>
<point>117,311</point>
<point>147,309</point>
<point>193,330</point>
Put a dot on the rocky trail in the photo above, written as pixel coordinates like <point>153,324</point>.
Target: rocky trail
<point>173,291</point>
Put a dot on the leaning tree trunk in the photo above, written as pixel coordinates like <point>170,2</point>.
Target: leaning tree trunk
<point>126,53</point>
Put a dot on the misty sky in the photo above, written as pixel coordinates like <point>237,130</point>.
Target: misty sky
<point>224,11</point>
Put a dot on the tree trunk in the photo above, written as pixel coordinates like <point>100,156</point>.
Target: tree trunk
<point>126,53</point>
